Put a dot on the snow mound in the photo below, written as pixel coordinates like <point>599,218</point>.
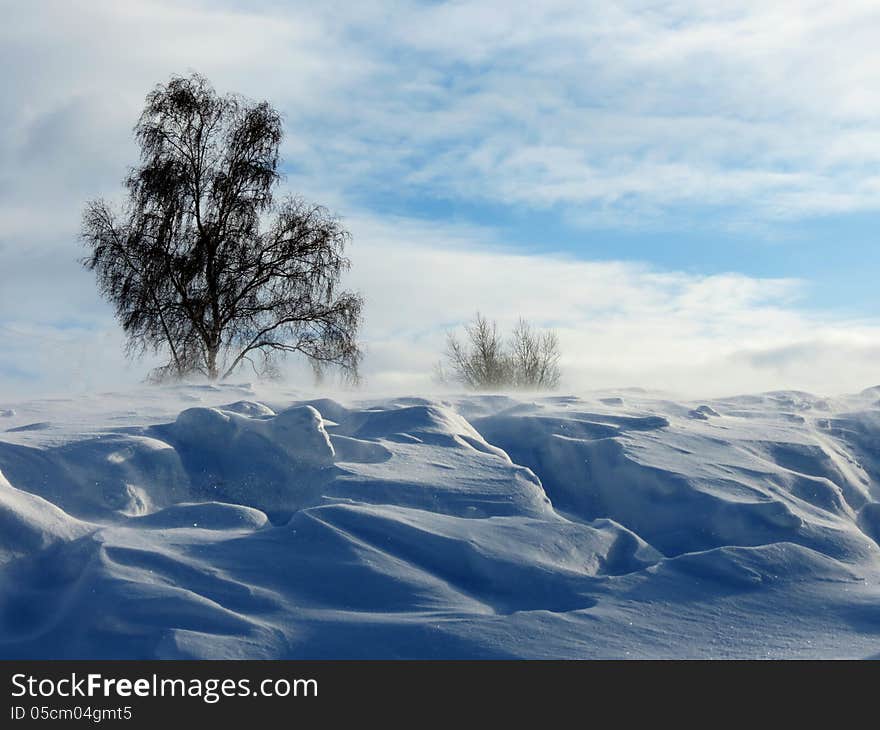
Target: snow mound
<point>257,526</point>
<point>271,463</point>
<point>422,423</point>
<point>204,516</point>
<point>297,432</point>
<point>29,523</point>
<point>703,413</point>
<point>248,408</point>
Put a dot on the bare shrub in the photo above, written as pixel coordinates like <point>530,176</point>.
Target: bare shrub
<point>529,360</point>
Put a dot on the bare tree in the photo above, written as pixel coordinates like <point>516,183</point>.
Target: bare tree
<point>530,361</point>
<point>480,362</point>
<point>202,263</point>
<point>535,358</point>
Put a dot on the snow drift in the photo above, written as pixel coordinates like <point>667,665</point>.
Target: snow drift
<point>209,522</point>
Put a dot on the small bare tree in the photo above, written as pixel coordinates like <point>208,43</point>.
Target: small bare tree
<point>202,263</point>
<point>530,361</point>
<point>480,362</point>
<point>535,357</point>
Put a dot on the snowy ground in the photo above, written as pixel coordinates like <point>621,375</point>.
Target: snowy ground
<point>214,522</point>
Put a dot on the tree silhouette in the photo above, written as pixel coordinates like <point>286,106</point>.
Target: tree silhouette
<point>203,264</point>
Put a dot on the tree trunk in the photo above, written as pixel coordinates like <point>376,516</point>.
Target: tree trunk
<point>212,362</point>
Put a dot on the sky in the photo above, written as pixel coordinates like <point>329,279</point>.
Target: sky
<point>687,192</point>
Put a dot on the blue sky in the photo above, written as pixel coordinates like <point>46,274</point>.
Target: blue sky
<point>698,185</point>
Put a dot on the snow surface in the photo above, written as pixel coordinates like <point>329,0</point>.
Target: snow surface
<point>241,522</point>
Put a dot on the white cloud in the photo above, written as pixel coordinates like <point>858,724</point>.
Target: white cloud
<point>620,324</point>
<point>767,108</point>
